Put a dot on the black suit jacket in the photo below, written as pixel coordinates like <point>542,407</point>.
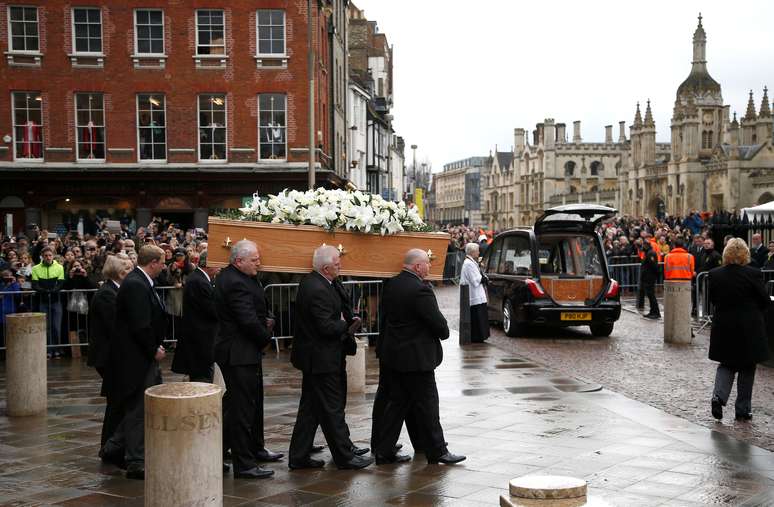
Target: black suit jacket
<point>317,343</point>
<point>738,336</point>
<point>102,327</point>
<point>140,326</point>
<point>240,305</point>
<point>759,256</point>
<point>195,350</point>
<point>350,345</point>
<point>412,326</point>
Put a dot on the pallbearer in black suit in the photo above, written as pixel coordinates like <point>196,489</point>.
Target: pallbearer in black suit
<point>134,356</point>
<point>195,353</point>
<point>102,324</point>
<point>242,334</point>
<point>409,349</point>
<point>318,351</point>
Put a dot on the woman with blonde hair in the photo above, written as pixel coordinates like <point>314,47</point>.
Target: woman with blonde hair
<point>738,339</point>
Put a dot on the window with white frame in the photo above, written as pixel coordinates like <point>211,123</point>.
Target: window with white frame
<point>27,125</point>
<point>272,126</point>
<point>149,31</point>
<point>212,127</point>
<point>90,126</point>
<point>210,32</point>
<point>87,30</point>
<point>271,32</point>
<point>23,25</point>
<point>151,127</point>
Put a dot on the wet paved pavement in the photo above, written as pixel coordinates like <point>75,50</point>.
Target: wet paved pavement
<point>510,415</point>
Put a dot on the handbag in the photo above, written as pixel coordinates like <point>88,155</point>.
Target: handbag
<point>78,303</point>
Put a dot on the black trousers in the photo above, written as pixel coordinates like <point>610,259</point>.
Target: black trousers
<point>205,375</point>
<point>648,289</point>
<point>321,404</point>
<point>479,323</point>
<point>724,381</point>
<point>377,416</point>
<point>113,416</point>
<point>410,392</point>
<point>130,433</point>
<point>243,413</point>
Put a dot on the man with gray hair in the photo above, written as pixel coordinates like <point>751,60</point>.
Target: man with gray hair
<point>409,350</point>
<point>318,351</point>
<point>244,330</point>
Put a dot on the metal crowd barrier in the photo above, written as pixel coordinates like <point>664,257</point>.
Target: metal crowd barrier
<point>67,324</point>
<point>365,299</point>
<point>452,268</point>
<point>627,273</point>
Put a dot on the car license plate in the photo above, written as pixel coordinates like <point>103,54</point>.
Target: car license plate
<point>576,316</point>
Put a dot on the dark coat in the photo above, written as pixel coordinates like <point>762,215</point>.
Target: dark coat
<point>318,342</point>
<point>738,337</point>
<point>102,324</point>
<point>709,260</point>
<point>195,350</point>
<point>649,270</point>
<point>240,305</point>
<point>412,326</point>
<point>759,256</point>
<point>140,326</point>
<point>350,345</point>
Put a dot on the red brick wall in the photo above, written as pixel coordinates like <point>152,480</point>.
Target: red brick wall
<point>180,80</point>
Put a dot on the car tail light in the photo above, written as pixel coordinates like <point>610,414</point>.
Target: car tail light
<point>612,291</point>
<point>535,289</point>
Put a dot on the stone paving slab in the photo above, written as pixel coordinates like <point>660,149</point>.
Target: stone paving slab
<point>510,421</point>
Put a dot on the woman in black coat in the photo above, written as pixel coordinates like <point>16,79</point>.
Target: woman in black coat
<point>738,340</point>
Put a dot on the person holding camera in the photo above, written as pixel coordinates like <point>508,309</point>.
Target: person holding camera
<point>77,282</point>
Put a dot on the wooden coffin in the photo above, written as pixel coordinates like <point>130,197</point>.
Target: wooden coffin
<point>288,248</point>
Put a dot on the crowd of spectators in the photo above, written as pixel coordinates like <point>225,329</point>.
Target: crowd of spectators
<point>61,269</point>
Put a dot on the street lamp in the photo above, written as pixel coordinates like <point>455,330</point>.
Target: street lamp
<point>414,168</point>
<point>310,69</point>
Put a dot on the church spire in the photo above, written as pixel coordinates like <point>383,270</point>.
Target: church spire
<point>765,109</point>
<point>649,123</point>
<point>638,117</point>
<point>734,123</point>
<point>750,115</point>
<point>699,48</point>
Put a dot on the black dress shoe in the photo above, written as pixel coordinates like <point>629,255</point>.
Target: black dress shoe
<point>226,468</point>
<point>253,473</point>
<point>446,459</point>
<point>717,409</point>
<point>267,456</point>
<point>308,463</point>
<point>113,459</point>
<point>317,448</point>
<point>359,451</point>
<point>395,458</point>
<point>135,472</point>
<point>355,463</point>
<point>744,417</point>
<point>652,316</point>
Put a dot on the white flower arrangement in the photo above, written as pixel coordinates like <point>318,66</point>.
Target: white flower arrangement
<point>335,209</point>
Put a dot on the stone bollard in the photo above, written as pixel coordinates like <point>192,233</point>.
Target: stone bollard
<point>183,445</point>
<point>356,368</point>
<point>677,311</point>
<point>26,368</point>
<point>545,490</point>
<point>464,315</point>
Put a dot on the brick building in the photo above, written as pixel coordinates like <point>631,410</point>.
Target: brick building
<point>142,108</point>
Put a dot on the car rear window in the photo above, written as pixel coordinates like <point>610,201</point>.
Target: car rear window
<point>569,255</point>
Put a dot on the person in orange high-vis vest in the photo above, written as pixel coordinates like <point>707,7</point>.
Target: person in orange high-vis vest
<point>679,264</point>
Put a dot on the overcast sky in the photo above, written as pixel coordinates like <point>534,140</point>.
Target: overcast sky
<point>467,73</point>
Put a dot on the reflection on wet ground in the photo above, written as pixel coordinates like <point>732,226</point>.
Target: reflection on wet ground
<point>510,416</point>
